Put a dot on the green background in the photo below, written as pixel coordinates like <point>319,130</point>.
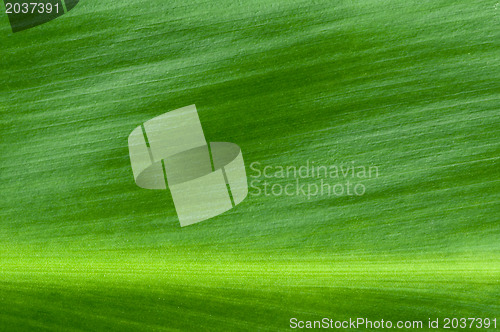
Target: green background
<point>409,86</point>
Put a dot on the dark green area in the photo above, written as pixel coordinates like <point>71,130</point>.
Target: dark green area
<point>70,4</point>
